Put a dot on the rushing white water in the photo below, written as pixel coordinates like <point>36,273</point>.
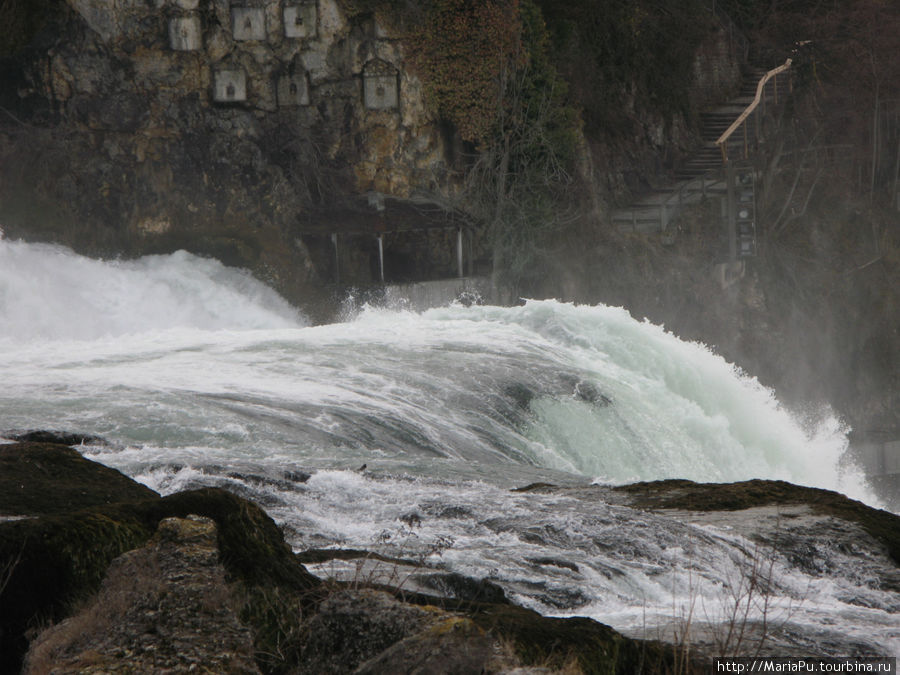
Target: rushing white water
<point>197,374</point>
<point>48,293</point>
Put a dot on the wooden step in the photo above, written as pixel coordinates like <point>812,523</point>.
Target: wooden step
<point>698,177</point>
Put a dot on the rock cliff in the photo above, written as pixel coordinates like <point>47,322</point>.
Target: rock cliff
<point>252,131</point>
<point>136,127</point>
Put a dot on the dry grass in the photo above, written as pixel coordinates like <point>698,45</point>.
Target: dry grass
<point>97,616</point>
<point>7,568</point>
<point>742,622</point>
<point>506,658</point>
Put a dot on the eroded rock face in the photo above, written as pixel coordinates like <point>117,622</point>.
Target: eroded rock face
<point>163,606</point>
<point>353,626</point>
<point>65,519</point>
<point>195,124</point>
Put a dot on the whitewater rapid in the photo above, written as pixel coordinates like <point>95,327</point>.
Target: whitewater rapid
<point>226,364</point>
<point>197,374</point>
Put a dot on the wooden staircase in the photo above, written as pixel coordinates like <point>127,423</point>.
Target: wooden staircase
<point>713,124</point>
<point>702,174</point>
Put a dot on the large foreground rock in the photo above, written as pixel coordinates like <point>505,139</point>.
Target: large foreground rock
<point>58,537</point>
<point>163,607</point>
<point>130,581</point>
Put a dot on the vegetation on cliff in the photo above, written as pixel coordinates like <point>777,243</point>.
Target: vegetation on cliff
<point>620,57</point>
<point>491,78</point>
<point>830,243</point>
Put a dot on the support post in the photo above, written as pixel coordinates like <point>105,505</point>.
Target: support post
<point>758,126</point>
<point>381,257</point>
<point>731,224</point>
<point>337,258</point>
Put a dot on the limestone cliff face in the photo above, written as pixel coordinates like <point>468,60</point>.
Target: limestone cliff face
<point>212,126</point>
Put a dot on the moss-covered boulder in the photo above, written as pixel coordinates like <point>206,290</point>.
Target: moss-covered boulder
<point>353,625</point>
<point>689,496</point>
<point>38,478</point>
<point>73,517</point>
<point>590,646</point>
<point>452,646</point>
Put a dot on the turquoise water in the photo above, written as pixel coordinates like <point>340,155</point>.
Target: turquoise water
<point>197,374</point>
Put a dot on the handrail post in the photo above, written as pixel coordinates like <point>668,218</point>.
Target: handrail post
<point>758,126</point>
<point>731,223</point>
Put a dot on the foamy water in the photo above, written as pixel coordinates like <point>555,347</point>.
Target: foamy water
<point>199,375</point>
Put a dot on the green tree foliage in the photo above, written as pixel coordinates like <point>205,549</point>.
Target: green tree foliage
<point>623,55</point>
<point>461,50</point>
<point>521,181</point>
<point>849,66</point>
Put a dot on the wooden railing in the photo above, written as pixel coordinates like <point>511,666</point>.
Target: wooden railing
<point>740,122</point>
<point>667,209</point>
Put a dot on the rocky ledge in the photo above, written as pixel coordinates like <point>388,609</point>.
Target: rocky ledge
<point>101,574</point>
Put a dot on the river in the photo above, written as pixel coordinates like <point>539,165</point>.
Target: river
<point>403,432</point>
